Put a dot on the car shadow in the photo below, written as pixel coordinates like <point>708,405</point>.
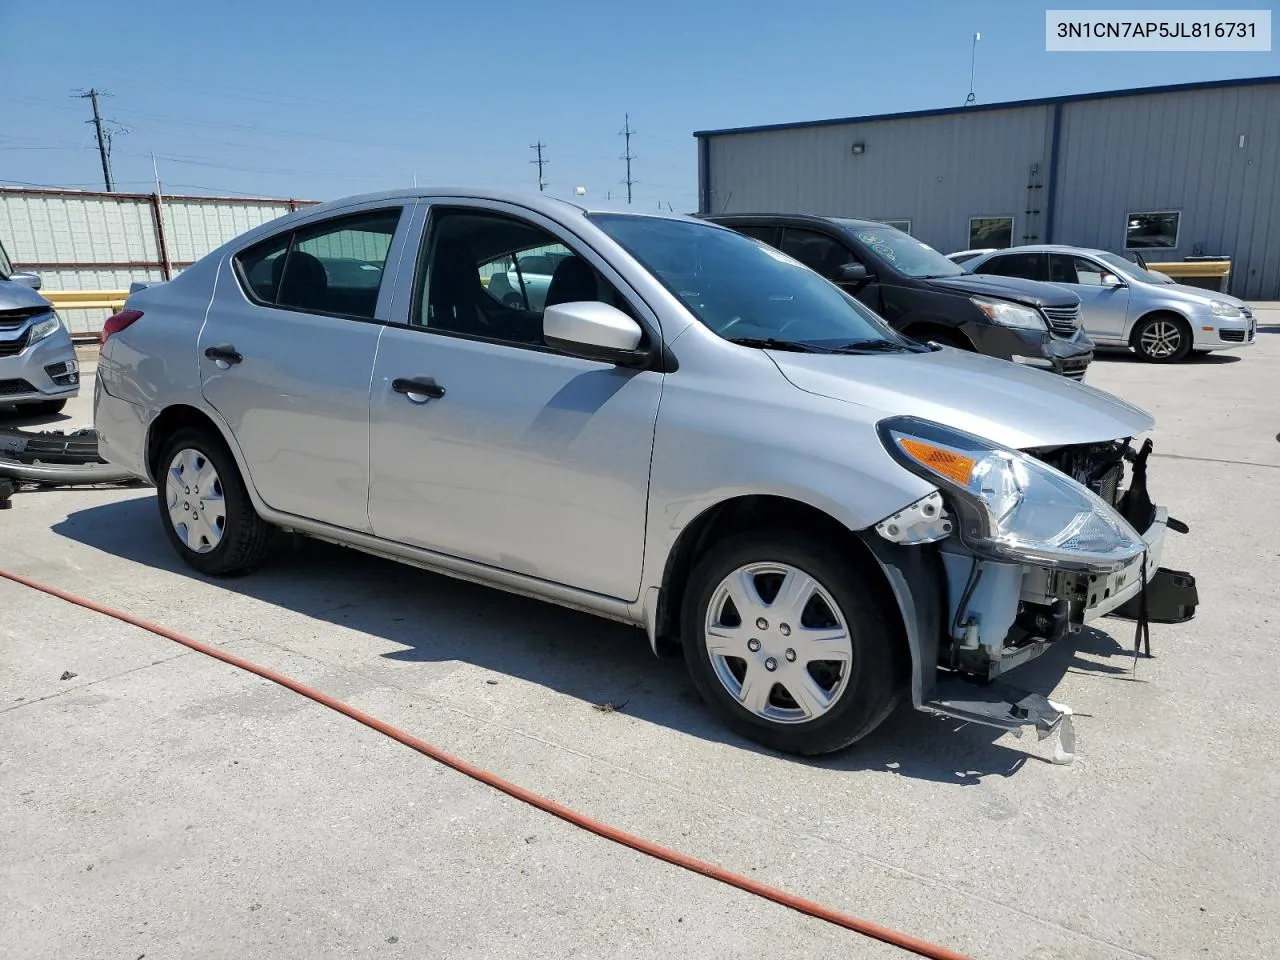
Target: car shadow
<point>433,618</point>
<point>1122,356</point>
<point>15,417</point>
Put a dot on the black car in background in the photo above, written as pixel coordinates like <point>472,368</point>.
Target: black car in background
<point>926,296</point>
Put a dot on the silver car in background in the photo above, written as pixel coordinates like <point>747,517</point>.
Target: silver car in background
<point>39,372</point>
<point>696,435</point>
<point>1123,305</point>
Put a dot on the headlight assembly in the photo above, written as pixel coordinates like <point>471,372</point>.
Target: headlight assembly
<point>1009,314</point>
<point>1227,310</point>
<point>45,328</point>
<point>1011,506</point>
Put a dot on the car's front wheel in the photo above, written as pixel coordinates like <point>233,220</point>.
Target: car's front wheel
<point>205,508</point>
<point>793,643</point>
<point>1162,338</point>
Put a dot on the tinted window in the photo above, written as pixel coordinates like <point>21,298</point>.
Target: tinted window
<point>990,232</point>
<point>333,267</point>
<point>767,234</point>
<point>257,266</point>
<point>1065,268</point>
<point>817,251</point>
<point>739,288</point>
<point>1029,266</point>
<point>1146,230</point>
<point>468,283</point>
<point>903,225</point>
<point>336,267</point>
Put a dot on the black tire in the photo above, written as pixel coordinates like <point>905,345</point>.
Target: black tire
<point>45,408</point>
<point>1151,334</point>
<point>246,537</point>
<point>876,674</point>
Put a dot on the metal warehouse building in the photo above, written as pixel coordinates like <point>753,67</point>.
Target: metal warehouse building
<point>1173,173</point>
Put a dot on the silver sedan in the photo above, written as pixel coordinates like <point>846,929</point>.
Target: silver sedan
<point>694,434</point>
<point>1123,305</point>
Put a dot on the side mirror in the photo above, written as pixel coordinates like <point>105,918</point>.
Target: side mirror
<point>31,280</point>
<point>851,273</point>
<point>1111,280</point>
<point>593,331</point>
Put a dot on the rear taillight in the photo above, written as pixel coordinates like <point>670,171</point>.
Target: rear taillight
<point>117,322</point>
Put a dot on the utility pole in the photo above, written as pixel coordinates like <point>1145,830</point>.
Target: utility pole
<point>628,155</point>
<point>104,139</point>
<point>542,182</point>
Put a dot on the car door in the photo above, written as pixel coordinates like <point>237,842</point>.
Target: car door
<point>1103,306</point>
<point>488,445</point>
<point>825,254</point>
<point>286,353</point>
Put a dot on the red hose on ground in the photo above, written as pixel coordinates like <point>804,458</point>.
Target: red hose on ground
<point>647,847</point>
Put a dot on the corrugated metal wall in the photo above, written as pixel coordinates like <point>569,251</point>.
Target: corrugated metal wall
<point>94,241</point>
<point>1116,156</point>
<point>936,172</point>
<point>1179,151</point>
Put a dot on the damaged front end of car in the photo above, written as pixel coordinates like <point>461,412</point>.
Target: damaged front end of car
<point>1026,546</point>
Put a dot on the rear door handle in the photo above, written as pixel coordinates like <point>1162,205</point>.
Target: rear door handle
<point>414,387</point>
<point>224,355</point>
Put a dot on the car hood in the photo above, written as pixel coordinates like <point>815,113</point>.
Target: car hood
<point>1010,288</point>
<point>1008,403</point>
<point>1201,294</point>
<point>16,296</point>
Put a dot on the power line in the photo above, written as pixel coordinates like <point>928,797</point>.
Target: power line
<point>542,182</point>
<point>628,156</point>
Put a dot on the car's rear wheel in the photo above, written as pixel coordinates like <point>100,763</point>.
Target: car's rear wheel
<point>1162,338</point>
<point>791,641</point>
<point>205,508</point>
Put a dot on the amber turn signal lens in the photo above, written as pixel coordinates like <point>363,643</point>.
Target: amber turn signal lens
<point>953,466</point>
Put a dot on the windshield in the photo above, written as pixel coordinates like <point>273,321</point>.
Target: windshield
<point>1131,269</point>
<point>902,251</point>
<point>743,289</point>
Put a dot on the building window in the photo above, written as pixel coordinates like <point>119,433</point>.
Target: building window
<point>996,232</point>
<point>1145,231</point>
<point>903,225</point>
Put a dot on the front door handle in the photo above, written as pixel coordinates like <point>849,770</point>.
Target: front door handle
<point>224,355</point>
<point>415,387</point>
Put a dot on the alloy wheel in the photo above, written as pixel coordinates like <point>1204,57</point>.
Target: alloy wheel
<point>778,642</point>
<point>1161,339</point>
<point>194,497</point>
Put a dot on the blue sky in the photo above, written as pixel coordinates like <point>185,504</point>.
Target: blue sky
<point>321,99</point>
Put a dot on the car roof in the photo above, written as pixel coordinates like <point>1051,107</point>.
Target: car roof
<point>538,201</point>
<point>1048,248</point>
<point>796,218</point>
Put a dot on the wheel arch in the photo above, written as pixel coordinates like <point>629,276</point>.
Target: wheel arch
<point>1156,311</point>
<point>179,415</point>
<point>924,327</point>
<point>881,561</point>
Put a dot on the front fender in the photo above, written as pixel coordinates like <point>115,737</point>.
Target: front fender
<point>916,577</point>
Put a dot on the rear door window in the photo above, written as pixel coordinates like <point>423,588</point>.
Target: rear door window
<point>763,233</point>
<point>333,267</point>
<point>1029,266</point>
